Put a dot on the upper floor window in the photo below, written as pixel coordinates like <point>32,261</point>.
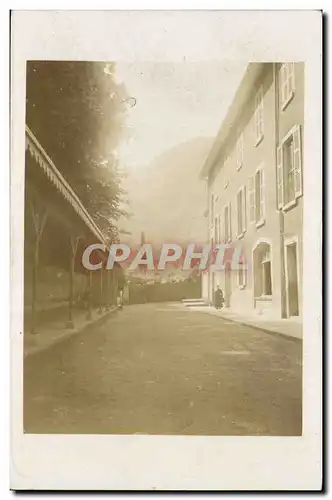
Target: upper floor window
<point>239,152</point>
<point>287,84</point>
<point>289,169</point>
<point>227,224</point>
<point>256,192</point>
<point>211,209</point>
<point>217,235</point>
<point>242,273</point>
<point>259,116</point>
<point>241,212</point>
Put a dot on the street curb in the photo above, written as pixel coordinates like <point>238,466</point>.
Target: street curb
<point>285,336</point>
<point>69,333</point>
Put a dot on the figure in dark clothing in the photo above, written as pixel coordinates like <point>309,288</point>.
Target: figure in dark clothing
<point>219,298</point>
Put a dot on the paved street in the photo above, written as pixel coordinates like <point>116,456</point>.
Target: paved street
<point>157,369</point>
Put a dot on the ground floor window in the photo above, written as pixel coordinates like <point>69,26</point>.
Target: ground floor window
<point>267,279</point>
<point>262,270</point>
<point>242,273</point>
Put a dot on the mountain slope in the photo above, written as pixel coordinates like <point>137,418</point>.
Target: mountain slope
<point>167,198</point>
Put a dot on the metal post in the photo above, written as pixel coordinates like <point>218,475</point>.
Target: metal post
<point>34,285</point>
<point>89,312</point>
<point>73,250</point>
<point>101,291</point>
<point>108,291</point>
<point>39,224</point>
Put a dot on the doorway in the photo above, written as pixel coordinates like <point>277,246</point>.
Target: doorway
<point>292,279</point>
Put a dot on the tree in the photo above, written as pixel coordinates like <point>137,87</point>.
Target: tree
<point>76,110</point>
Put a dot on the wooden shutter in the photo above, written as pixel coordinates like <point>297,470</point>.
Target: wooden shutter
<point>239,155</point>
<point>244,209</point>
<point>280,181</point>
<point>261,112</point>
<point>292,77</point>
<point>212,210</point>
<point>229,223</point>
<point>297,162</point>
<point>282,83</point>
<point>225,233</point>
<point>251,197</point>
<point>239,230</point>
<point>262,194</point>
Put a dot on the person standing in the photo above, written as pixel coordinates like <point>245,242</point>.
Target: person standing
<point>218,298</point>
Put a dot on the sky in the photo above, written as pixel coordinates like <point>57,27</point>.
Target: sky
<point>175,102</point>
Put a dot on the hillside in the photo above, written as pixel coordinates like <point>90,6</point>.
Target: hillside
<point>167,198</point>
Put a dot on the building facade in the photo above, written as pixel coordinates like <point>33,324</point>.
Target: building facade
<point>254,191</point>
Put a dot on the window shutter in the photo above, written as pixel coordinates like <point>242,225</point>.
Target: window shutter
<point>239,156</point>
<point>282,83</point>
<point>251,199</point>
<point>280,182</point>
<point>212,210</point>
<point>244,209</point>
<point>225,236</point>
<point>262,194</point>
<point>261,113</point>
<point>297,162</point>
<point>238,227</point>
<point>229,223</point>
<point>292,77</point>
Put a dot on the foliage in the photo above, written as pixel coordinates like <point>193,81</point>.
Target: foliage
<point>77,112</point>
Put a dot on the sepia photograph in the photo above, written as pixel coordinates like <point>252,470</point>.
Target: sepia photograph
<point>123,157</point>
<point>162,277</point>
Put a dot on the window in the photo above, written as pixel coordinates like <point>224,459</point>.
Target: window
<point>289,169</point>
<point>242,273</point>
<point>287,84</point>
<point>262,270</point>
<point>241,212</point>
<point>239,152</point>
<point>217,235</point>
<point>257,198</point>
<point>227,224</point>
<point>259,116</point>
<point>267,280</point>
<point>251,196</point>
<point>211,209</point>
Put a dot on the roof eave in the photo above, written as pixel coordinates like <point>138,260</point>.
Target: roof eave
<point>251,74</point>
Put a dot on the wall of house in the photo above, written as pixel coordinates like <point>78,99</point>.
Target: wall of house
<point>293,115</point>
<point>226,180</point>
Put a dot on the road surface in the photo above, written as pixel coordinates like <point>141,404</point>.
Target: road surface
<point>159,369</point>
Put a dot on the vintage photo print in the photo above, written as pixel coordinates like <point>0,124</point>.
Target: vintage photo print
<point>166,246</point>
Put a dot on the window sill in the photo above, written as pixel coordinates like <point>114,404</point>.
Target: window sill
<point>265,298</point>
<point>288,100</point>
<point>259,140</point>
<point>289,205</point>
<point>241,235</point>
<point>260,223</point>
